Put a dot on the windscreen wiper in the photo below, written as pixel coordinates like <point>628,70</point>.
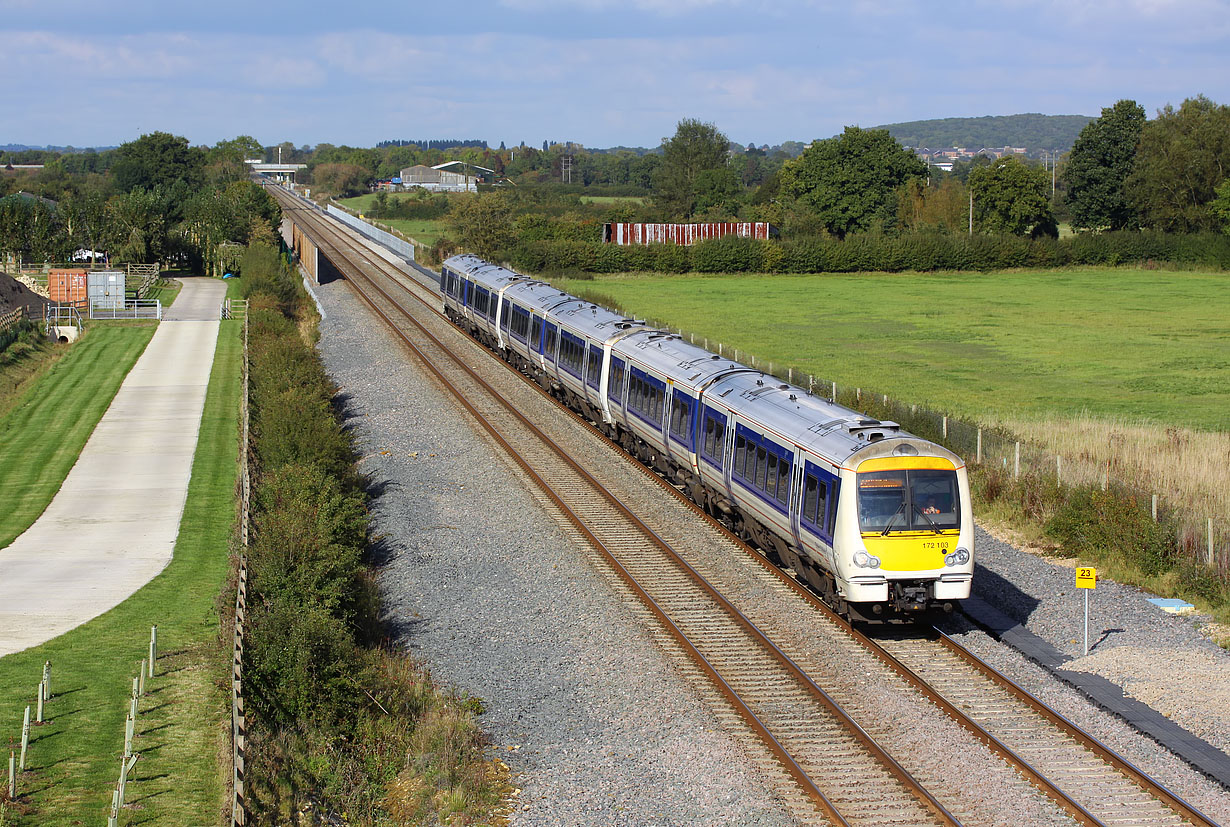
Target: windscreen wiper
<point>900,510</point>
<point>930,521</point>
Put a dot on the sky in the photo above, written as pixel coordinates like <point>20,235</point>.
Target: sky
<point>598,72</point>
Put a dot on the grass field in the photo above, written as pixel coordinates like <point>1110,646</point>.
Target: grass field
<point>614,199</point>
<point>424,231</point>
<point>184,720</point>
<point>46,427</point>
<point>1131,344</point>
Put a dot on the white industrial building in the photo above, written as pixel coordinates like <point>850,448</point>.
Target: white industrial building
<point>441,179</point>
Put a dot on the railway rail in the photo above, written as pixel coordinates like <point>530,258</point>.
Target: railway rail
<point>833,760</point>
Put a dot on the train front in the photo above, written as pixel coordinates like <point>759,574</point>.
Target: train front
<point>908,529</point>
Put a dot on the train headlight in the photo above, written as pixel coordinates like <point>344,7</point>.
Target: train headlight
<point>962,556</point>
<point>865,561</point>
<point>950,560</point>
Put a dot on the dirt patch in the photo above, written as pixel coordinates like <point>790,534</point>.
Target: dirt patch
<point>15,294</point>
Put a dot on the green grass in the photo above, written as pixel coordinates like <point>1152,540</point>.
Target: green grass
<point>166,291</point>
<point>184,722</point>
<point>1133,344</point>
<point>424,231</point>
<point>614,199</point>
<point>45,430</point>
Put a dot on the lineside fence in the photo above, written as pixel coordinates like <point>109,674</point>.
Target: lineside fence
<point>11,318</point>
<point>396,243</point>
<point>1202,537</point>
<point>239,721</point>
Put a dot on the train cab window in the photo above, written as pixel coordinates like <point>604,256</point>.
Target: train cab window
<point>536,335</point>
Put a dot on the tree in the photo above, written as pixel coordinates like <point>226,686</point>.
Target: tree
<point>1098,167</point>
<point>157,159</point>
<point>1184,155</point>
<point>483,223</point>
<point>1012,197</point>
<point>693,169</point>
<point>341,179</point>
<point>940,207</point>
<point>850,181</point>
<point>1221,205</point>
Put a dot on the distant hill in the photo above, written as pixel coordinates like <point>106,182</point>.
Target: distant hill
<point>1033,131</point>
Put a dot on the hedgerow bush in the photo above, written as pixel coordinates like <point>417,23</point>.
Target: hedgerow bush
<point>337,721</point>
<point>920,252</point>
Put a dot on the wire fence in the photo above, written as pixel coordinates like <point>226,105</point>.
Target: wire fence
<point>239,720</point>
<point>1202,537</point>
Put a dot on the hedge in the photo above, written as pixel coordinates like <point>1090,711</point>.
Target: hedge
<point>922,252</point>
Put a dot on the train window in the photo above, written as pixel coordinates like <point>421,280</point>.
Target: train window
<point>551,337</point>
<point>811,497</point>
<point>680,414</point>
<point>761,460</point>
<point>615,381</point>
<point>770,477</point>
<point>740,456</point>
<point>710,438</point>
<point>783,481</point>
<point>536,334</point>
<point>831,491</point>
<point>594,370</point>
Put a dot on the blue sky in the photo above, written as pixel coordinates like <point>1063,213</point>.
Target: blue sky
<point>600,72</point>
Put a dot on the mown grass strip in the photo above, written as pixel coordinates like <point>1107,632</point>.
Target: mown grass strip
<point>184,719</point>
<point>43,433</point>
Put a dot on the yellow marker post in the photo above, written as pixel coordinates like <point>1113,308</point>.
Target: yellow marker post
<point>1087,579</point>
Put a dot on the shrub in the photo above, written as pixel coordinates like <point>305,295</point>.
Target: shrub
<point>1095,521</point>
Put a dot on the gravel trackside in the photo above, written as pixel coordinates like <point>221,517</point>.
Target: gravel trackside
<point>595,723</point>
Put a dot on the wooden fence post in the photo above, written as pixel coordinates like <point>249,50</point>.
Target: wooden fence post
<point>12,775</point>
<point>153,648</point>
<point>25,740</point>
<point>1016,464</point>
<point>945,427</point>
<point>980,446</point>
<point>1211,542</point>
<point>1155,508</point>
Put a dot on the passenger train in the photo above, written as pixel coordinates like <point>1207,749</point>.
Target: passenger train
<point>875,519</point>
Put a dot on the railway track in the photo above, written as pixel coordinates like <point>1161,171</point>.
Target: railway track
<point>834,762</point>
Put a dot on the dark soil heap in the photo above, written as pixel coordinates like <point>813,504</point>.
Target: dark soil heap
<point>15,294</point>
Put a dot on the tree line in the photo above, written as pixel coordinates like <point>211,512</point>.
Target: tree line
<point>154,199</point>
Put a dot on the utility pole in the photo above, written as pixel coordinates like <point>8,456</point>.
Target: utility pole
<point>971,211</point>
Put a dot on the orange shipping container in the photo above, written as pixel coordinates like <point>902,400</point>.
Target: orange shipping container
<point>67,286</point>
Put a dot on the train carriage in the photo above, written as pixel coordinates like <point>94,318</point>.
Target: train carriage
<point>875,519</point>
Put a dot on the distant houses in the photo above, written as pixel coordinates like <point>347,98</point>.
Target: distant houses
<point>944,157</point>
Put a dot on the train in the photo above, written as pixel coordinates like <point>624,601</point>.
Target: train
<point>875,520</point>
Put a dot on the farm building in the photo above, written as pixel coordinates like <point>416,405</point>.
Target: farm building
<point>441,179</point>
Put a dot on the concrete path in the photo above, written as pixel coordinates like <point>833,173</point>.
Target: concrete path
<point>112,526</point>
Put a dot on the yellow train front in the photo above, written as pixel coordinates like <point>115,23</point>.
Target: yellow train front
<point>904,534</point>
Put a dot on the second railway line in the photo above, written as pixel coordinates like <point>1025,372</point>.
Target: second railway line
<point>812,641</point>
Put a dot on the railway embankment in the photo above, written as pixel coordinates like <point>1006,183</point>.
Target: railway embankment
<point>338,724</point>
